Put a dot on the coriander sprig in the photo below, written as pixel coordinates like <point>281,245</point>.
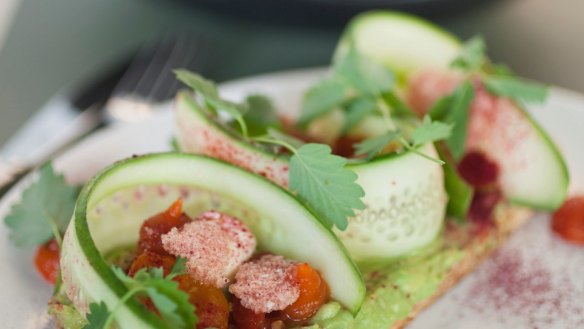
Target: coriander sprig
<point>44,211</point>
<point>171,303</point>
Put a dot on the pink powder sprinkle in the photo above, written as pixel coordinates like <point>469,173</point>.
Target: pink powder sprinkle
<point>215,245</point>
<point>266,284</point>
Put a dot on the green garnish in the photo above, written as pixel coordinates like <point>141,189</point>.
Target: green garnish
<point>171,303</point>
<point>428,131</point>
<point>357,111</point>
<point>207,90</point>
<point>354,78</point>
<point>321,179</point>
<point>517,89</point>
<point>44,211</point>
<point>472,57</point>
<point>261,115</point>
<point>454,109</point>
<point>497,78</point>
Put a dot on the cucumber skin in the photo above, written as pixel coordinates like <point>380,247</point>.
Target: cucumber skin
<point>194,128</point>
<point>82,260</point>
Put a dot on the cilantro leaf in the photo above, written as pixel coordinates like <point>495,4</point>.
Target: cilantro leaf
<point>373,146</point>
<point>44,211</point>
<point>516,89</point>
<point>178,268</point>
<point>472,57</point>
<point>325,184</point>
<point>364,75</point>
<point>397,105</point>
<point>208,91</point>
<point>280,136</point>
<point>458,114</point>
<point>357,111</point>
<point>320,99</point>
<point>171,302</point>
<point>430,131</point>
<point>97,316</point>
<point>261,115</point>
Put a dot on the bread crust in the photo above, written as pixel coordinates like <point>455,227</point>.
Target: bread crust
<point>508,220</point>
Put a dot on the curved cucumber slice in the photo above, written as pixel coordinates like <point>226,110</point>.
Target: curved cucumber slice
<point>400,41</point>
<point>113,205</point>
<point>533,172</point>
<point>404,194</point>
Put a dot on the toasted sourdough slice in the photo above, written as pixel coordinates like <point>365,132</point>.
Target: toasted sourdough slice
<point>468,245</point>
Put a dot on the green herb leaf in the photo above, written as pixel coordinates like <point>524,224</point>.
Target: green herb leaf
<point>440,108</point>
<point>430,131</point>
<point>357,111</point>
<point>472,56</point>
<point>501,70</point>
<point>171,302</point>
<point>459,191</point>
<point>458,115</point>
<point>516,89</point>
<point>373,146</point>
<point>321,99</point>
<point>261,115</point>
<point>283,137</point>
<point>325,184</point>
<point>363,74</point>
<point>398,106</point>
<point>97,316</point>
<point>208,91</point>
<point>44,211</point>
<point>178,268</point>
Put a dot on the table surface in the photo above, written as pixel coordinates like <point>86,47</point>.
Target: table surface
<point>52,44</point>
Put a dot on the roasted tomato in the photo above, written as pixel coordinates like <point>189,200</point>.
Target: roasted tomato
<point>568,221</point>
<point>478,170</point>
<point>314,292</point>
<point>211,305</point>
<point>150,259</point>
<point>46,261</point>
<point>244,318</point>
<point>160,224</point>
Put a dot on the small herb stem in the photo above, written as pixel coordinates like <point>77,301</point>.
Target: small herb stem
<point>122,301</point>
<point>264,139</point>
<point>386,113</point>
<point>423,155</point>
<point>56,233</point>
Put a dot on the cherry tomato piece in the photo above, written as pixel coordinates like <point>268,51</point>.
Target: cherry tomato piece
<point>150,259</point>
<point>154,227</point>
<point>568,221</point>
<point>314,292</point>
<point>212,307</point>
<point>244,318</point>
<point>46,261</point>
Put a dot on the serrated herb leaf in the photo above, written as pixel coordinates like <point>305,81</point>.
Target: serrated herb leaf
<point>363,74</point>
<point>261,115</point>
<point>44,211</point>
<point>472,57</point>
<point>97,316</point>
<point>283,137</point>
<point>208,91</point>
<point>458,115</point>
<point>516,89</point>
<point>373,146</point>
<point>397,105</point>
<point>357,111</point>
<point>322,180</point>
<point>430,131</point>
<point>321,99</point>
<point>172,303</point>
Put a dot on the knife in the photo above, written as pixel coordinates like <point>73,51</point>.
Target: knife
<point>144,79</point>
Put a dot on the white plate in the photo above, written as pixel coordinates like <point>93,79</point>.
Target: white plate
<point>534,280</point>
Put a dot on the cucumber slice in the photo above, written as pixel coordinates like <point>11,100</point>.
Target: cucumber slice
<point>113,205</point>
<point>533,172</point>
<point>400,41</point>
<point>404,193</point>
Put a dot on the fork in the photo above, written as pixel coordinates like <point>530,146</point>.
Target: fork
<point>122,95</point>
